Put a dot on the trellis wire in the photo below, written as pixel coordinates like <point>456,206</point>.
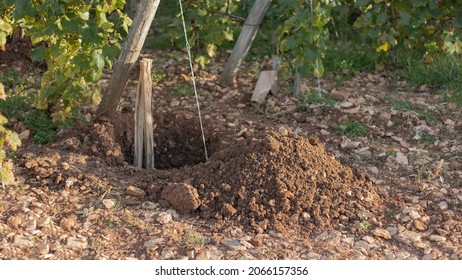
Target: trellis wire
<point>188,47</point>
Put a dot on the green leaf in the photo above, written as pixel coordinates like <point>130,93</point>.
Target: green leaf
<point>404,18</point>
<point>97,59</point>
<point>38,53</point>
<point>361,3</point>
<point>292,43</point>
<point>382,18</point>
<point>23,8</point>
<point>111,52</point>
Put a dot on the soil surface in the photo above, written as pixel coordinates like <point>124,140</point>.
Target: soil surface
<point>283,180</point>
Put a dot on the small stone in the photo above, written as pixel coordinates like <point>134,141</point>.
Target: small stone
<point>340,95</point>
<point>22,241</point>
<point>419,225</point>
<point>373,169</point>
<point>306,217</point>
<point>390,256</point>
<point>167,254</point>
<point>368,239</point>
<point>402,255</point>
<point>68,223</point>
<point>228,210</point>
<point>257,241</point>
<point>204,255</point>
<point>23,136</point>
<point>348,240</point>
<point>346,104</point>
<point>443,205</point>
<point>379,232</point>
<point>173,213</point>
<point>347,144</point>
<point>343,218</point>
<point>313,256</point>
<point>401,159</point>
<point>234,245</point>
<point>449,122</point>
<point>248,245</point>
<point>295,217</point>
<point>384,116</point>
<point>362,244</point>
<point>75,243</point>
<point>410,236</point>
<point>30,225</point>
<point>164,218</point>
<point>299,117</point>
<point>354,110</point>
<point>109,203</point>
<point>16,220</point>
<point>149,205</point>
<point>241,105</point>
<point>275,234</point>
<point>437,238</point>
<point>134,191</point>
<point>43,248</point>
<point>430,256</point>
<point>414,215</point>
<point>153,243</point>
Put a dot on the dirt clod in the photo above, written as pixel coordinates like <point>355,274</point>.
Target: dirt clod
<point>183,197</point>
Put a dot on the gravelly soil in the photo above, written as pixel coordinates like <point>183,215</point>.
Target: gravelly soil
<point>281,183</point>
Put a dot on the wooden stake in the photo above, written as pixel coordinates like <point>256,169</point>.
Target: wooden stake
<point>144,141</point>
<point>246,37</point>
<point>127,58</point>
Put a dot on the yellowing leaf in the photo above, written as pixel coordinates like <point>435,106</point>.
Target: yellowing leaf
<point>228,36</point>
<point>2,92</point>
<point>383,47</point>
<point>211,48</point>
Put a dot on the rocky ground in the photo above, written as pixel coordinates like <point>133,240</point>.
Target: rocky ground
<point>288,179</point>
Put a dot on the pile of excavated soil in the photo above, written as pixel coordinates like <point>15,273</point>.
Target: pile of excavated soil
<point>281,181</point>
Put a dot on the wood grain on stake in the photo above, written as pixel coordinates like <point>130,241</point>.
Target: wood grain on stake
<point>144,141</point>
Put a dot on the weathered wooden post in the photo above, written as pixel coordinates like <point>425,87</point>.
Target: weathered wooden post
<point>144,141</point>
<point>127,58</point>
<point>246,37</point>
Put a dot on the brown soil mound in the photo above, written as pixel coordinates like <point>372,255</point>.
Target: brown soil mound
<point>283,180</point>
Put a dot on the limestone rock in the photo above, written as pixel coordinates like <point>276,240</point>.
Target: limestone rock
<point>383,233</point>
<point>134,191</point>
<point>22,241</point>
<point>410,236</point>
<point>234,244</point>
<point>75,243</point>
<point>164,218</point>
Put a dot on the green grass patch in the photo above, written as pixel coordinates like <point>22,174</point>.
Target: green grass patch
<point>351,128</point>
<point>307,98</point>
<point>41,126</point>
<point>20,107</point>
<point>444,72</point>
<point>192,240</point>
<point>9,78</point>
<point>349,56</point>
<point>404,105</point>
